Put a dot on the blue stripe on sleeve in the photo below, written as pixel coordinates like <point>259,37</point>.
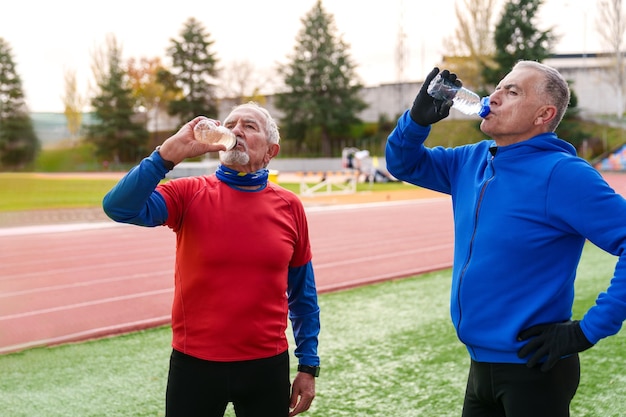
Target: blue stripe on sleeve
<point>304,313</point>
<point>134,199</point>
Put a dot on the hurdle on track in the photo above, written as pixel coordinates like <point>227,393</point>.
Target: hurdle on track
<point>314,183</point>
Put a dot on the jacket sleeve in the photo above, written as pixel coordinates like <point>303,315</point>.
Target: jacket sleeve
<point>585,202</point>
<point>134,199</point>
<point>304,313</point>
<point>409,160</point>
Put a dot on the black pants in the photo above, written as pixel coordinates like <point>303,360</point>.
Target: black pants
<point>514,390</point>
<point>199,388</point>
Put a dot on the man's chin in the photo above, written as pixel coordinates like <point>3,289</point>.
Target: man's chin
<point>234,157</point>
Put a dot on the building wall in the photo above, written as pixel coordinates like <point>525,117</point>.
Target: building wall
<point>385,100</point>
<point>590,78</point>
<point>588,74</point>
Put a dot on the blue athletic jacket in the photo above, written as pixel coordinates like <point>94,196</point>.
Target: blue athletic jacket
<point>522,214</point>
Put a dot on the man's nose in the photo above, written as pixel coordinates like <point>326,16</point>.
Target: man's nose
<point>237,130</point>
<point>494,97</point>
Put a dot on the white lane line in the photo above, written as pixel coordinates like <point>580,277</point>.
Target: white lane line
<point>85,304</point>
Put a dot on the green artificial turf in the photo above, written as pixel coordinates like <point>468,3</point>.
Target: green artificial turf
<point>387,350</point>
<point>34,192</point>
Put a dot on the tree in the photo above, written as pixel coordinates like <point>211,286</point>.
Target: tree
<point>611,25</point>
<point>323,91</point>
<point>143,81</point>
<point>472,46</point>
<point>193,72</point>
<point>116,134</point>
<point>18,141</point>
<point>150,93</point>
<point>73,105</point>
<point>570,128</point>
<point>517,38</point>
<point>243,82</point>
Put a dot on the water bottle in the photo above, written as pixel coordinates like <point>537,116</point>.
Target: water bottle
<point>463,100</point>
<point>207,131</point>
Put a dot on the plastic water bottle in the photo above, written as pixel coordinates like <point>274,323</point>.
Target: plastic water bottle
<point>207,131</point>
<point>463,100</point>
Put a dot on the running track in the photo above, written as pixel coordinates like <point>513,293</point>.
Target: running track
<point>73,282</point>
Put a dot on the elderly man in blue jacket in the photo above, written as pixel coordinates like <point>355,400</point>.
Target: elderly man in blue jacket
<point>524,205</point>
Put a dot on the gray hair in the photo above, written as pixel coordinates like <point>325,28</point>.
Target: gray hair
<point>271,127</point>
<point>554,88</point>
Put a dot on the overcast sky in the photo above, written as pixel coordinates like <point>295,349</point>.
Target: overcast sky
<point>49,37</point>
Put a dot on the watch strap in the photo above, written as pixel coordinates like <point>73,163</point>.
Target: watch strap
<point>167,164</point>
<point>308,369</point>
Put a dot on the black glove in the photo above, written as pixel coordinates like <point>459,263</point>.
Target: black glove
<point>554,341</point>
<point>426,110</point>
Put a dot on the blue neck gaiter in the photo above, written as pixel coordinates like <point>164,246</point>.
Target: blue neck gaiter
<point>242,179</point>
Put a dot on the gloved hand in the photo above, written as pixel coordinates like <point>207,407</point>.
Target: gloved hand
<point>554,341</point>
<point>426,110</point>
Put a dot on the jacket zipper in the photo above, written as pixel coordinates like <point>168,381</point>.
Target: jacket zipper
<point>471,246</point>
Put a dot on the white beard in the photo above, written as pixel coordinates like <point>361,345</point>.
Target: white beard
<point>234,157</point>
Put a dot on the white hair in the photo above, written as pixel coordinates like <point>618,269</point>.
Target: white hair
<point>271,127</point>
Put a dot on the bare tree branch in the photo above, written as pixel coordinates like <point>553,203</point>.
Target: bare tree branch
<point>611,25</point>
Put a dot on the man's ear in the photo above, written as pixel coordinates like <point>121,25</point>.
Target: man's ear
<point>273,150</point>
<point>545,115</point>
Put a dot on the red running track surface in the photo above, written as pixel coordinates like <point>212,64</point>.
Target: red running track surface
<point>74,282</point>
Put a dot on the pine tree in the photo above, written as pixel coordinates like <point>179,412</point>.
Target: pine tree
<point>194,68</point>
<point>323,99</point>
<point>517,38</point>
<point>116,134</point>
<point>18,141</point>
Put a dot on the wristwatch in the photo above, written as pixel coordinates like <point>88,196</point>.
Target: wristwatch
<point>167,164</point>
<point>308,369</point>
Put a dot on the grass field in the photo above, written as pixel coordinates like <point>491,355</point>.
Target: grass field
<point>32,191</point>
<point>24,191</point>
<point>387,350</point>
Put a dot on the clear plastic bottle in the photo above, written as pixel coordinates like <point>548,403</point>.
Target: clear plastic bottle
<point>463,100</point>
<point>207,131</point>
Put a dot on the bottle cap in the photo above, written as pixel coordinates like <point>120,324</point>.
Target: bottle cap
<point>484,107</point>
